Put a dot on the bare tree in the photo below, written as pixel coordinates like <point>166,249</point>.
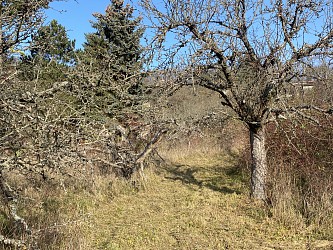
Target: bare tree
<point>250,52</point>
<point>18,21</point>
<point>58,127</point>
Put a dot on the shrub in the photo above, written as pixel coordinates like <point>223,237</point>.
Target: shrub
<point>300,165</point>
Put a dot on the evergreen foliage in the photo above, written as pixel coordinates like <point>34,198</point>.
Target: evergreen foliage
<point>19,19</point>
<point>111,61</point>
<point>116,43</point>
<point>51,53</point>
<point>52,44</point>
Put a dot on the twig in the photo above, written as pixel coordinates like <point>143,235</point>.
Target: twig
<point>12,242</point>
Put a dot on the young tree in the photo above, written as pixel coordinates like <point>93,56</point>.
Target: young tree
<point>247,51</point>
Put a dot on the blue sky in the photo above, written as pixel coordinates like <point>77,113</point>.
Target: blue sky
<point>75,16</point>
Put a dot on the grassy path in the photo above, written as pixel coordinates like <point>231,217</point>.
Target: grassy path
<point>202,204</point>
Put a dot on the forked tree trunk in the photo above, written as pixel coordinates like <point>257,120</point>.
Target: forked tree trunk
<point>259,162</point>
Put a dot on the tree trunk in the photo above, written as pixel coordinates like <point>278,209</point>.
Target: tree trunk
<point>259,163</point>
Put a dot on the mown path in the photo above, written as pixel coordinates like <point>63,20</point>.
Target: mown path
<point>202,204</point>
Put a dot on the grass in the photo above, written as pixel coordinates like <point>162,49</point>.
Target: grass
<point>195,200</point>
<point>195,203</point>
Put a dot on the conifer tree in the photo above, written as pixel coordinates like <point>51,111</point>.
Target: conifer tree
<point>19,19</point>
<point>52,44</point>
<point>51,52</point>
<point>115,45</point>
<point>111,61</point>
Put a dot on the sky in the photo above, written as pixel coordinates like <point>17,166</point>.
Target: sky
<point>75,15</point>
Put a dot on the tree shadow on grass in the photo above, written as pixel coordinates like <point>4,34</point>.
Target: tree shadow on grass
<point>226,178</point>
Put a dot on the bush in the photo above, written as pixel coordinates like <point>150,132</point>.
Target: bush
<point>300,167</point>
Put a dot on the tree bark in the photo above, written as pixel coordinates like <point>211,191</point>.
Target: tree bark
<point>259,162</point>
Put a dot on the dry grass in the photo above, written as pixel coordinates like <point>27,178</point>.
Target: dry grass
<point>197,199</point>
<point>193,201</point>
<point>301,176</point>
<point>201,203</point>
